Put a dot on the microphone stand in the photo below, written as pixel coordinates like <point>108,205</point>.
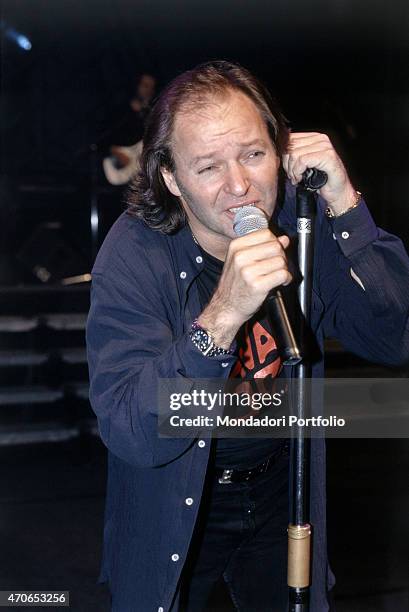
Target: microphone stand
<point>299,529</point>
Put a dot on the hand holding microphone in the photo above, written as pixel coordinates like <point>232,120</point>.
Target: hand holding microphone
<point>249,219</point>
<point>255,264</point>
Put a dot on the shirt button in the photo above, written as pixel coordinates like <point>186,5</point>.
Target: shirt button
<point>345,235</point>
<point>189,501</point>
<point>160,609</point>
<point>225,364</point>
<point>175,557</point>
<point>199,259</point>
<point>201,443</point>
<point>183,275</point>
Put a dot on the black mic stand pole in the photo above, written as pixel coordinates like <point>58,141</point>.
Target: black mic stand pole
<point>299,529</point>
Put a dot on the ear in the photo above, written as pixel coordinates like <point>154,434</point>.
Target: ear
<point>170,181</point>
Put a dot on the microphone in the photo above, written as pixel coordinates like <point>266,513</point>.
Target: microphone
<point>313,179</point>
<point>250,219</point>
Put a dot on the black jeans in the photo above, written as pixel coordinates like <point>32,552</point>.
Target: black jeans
<point>241,535</point>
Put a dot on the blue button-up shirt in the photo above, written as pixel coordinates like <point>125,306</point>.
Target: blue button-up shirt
<point>144,298</point>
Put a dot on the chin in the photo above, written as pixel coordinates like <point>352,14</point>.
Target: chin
<point>228,232</point>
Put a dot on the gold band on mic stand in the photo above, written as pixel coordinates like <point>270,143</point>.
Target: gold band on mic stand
<point>299,555</point>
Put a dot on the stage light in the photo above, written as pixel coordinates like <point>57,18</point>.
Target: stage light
<point>23,42</point>
<point>17,37</point>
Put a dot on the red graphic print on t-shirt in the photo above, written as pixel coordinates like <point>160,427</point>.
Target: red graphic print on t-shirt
<point>257,352</point>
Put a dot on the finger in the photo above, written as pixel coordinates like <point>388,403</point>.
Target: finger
<point>284,160</point>
<point>284,241</point>
<point>297,161</point>
<point>256,237</point>
<point>253,239</point>
<point>254,270</point>
<point>259,252</point>
<point>305,147</point>
<point>273,279</point>
<point>298,147</point>
<point>320,159</point>
<point>305,137</point>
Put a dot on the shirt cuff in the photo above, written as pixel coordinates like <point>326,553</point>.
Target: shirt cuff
<point>354,230</point>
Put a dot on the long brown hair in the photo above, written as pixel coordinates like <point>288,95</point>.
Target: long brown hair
<point>147,196</point>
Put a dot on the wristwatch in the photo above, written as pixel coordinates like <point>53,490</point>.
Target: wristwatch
<point>203,340</point>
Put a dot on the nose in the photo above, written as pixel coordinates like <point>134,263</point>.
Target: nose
<point>236,180</point>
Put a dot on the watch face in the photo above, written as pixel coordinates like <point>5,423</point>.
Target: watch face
<point>202,340</point>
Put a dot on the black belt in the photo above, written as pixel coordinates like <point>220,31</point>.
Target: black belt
<point>228,476</point>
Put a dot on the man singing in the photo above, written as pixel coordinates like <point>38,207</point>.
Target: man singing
<point>176,294</point>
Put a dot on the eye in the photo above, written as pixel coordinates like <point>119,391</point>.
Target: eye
<point>207,169</point>
<point>255,154</point>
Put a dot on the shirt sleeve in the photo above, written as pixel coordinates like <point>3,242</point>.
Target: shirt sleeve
<point>364,285</point>
<point>131,345</point>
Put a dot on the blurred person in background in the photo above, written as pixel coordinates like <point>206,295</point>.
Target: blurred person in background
<point>125,136</point>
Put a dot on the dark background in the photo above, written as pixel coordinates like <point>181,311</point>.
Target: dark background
<point>339,66</point>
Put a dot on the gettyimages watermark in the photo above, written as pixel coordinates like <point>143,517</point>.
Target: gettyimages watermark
<point>336,408</point>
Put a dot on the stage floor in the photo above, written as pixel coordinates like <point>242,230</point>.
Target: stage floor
<point>52,499</point>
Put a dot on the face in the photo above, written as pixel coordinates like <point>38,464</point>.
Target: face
<point>146,87</point>
<point>224,159</point>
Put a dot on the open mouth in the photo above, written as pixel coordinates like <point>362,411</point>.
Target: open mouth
<point>234,209</point>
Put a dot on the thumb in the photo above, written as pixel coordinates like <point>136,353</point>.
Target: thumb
<point>284,241</point>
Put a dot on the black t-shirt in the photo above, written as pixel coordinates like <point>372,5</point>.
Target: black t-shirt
<point>257,358</point>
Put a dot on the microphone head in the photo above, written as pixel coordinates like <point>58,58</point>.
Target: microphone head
<point>249,219</point>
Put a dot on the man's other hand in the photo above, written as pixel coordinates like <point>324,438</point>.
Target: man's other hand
<point>315,150</point>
